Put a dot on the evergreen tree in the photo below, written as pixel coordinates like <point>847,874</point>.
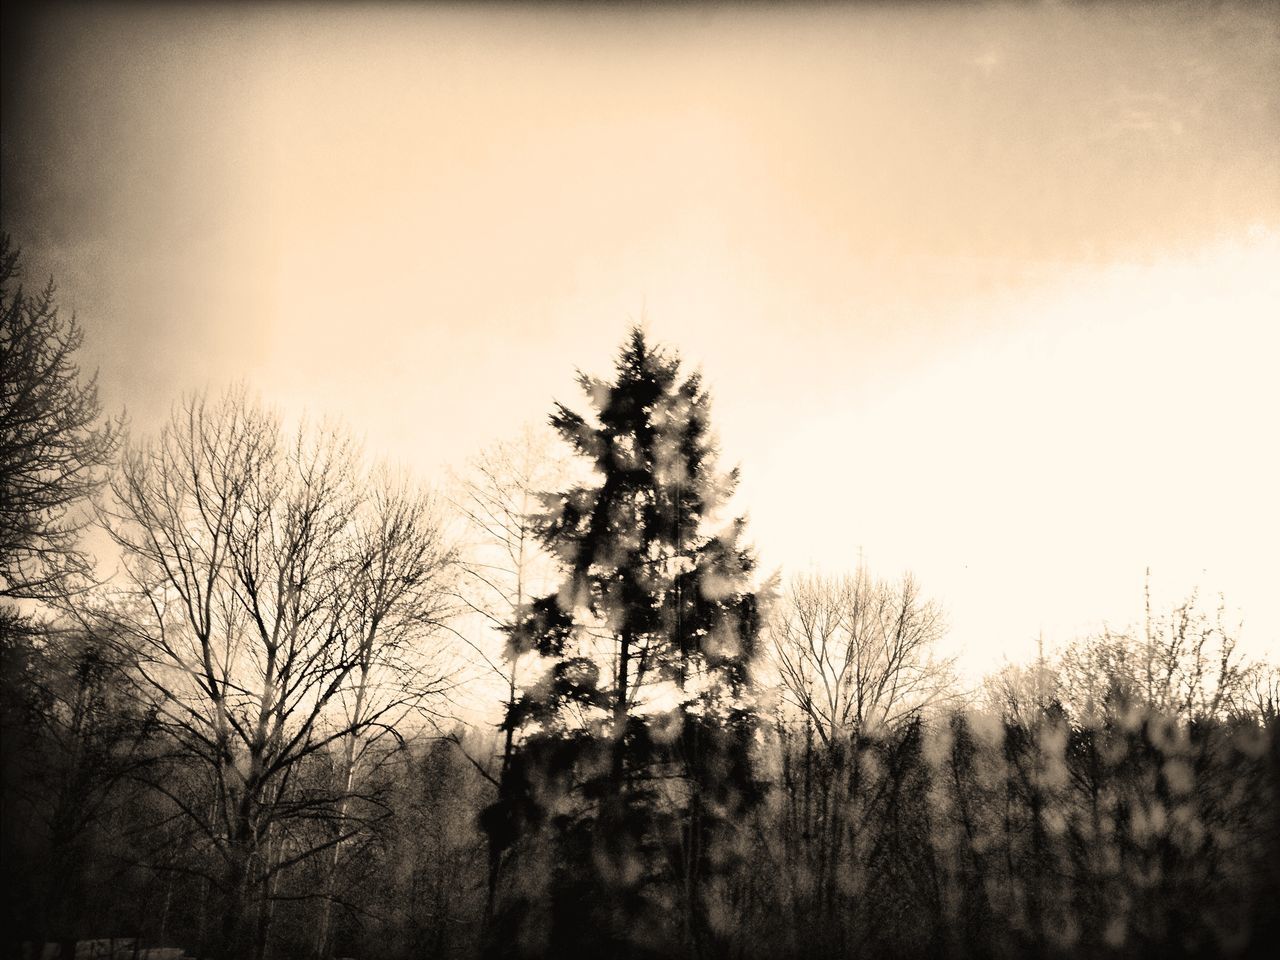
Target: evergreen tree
<point>634,759</point>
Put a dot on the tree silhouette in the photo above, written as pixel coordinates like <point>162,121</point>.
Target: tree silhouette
<point>634,758</point>
<point>52,445</point>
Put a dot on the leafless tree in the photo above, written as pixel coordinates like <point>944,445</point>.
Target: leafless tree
<point>854,653</point>
<point>1183,664</point>
<point>505,564</point>
<point>53,442</point>
<point>499,497</point>
<point>400,586</point>
<point>855,658</point>
<point>1022,692</point>
<point>273,615</point>
<point>1264,693</point>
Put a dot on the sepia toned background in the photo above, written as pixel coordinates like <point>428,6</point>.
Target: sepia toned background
<point>984,291</point>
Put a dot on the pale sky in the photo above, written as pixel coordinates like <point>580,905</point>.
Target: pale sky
<point>985,291</point>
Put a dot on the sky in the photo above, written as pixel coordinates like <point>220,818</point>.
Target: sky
<point>983,291</point>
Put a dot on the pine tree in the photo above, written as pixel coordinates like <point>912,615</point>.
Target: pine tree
<point>634,764</point>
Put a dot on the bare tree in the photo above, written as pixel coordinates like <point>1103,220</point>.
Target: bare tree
<point>400,588</point>
<point>855,658</point>
<point>854,654</point>
<point>53,442</point>
<point>269,611</point>
<point>1264,693</point>
<point>1023,692</point>
<point>505,564</point>
<point>1183,663</point>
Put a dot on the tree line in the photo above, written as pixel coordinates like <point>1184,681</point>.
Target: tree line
<point>303,706</point>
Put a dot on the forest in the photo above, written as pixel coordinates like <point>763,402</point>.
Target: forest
<point>266,697</point>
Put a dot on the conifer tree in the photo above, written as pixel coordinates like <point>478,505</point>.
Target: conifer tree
<point>634,764</point>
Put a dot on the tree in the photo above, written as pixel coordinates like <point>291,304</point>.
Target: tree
<point>855,660</point>
<point>855,654</point>
<point>279,621</point>
<point>399,589</point>
<point>72,741</point>
<point>53,444</point>
<point>634,744</point>
<point>1183,663</point>
<point>1131,782</point>
<point>506,564</point>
